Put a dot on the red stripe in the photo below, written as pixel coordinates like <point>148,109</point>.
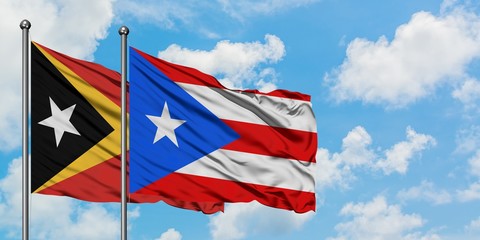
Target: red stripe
<point>204,189</point>
<point>281,93</point>
<point>273,141</point>
<point>101,183</point>
<point>179,73</point>
<point>103,79</point>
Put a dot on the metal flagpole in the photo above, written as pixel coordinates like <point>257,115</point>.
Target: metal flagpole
<point>25,26</point>
<point>123,31</point>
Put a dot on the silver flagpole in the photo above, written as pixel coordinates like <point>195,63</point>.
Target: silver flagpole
<point>25,26</point>
<point>123,31</point>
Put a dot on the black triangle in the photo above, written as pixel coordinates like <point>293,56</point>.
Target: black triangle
<point>48,159</point>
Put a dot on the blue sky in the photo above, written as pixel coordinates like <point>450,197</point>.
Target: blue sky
<point>395,89</point>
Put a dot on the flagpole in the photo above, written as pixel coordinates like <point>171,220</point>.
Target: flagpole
<point>25,26</point>
<point>123,31</point>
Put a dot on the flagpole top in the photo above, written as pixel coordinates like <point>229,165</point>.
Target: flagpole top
<point>25,24</point>
<point>123,30</point>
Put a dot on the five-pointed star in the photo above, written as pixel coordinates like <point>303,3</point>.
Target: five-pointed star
<point>165,125</point>
<point>60,121</point>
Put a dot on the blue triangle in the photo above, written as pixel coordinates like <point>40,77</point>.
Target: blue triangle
<point>201,134</point>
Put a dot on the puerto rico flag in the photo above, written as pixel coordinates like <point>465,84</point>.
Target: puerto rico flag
<point>193,140</point>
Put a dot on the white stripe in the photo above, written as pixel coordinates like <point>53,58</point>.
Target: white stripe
<point>254,108</point>
<point>256,169</point>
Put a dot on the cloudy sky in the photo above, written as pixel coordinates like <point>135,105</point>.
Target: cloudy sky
<point>395,88</point>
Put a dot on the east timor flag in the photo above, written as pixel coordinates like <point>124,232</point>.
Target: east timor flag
<point>75,127</point>
<point>75,124</point>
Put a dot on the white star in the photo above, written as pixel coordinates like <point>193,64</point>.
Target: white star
<point>60,121</point>
<point>165,125</point>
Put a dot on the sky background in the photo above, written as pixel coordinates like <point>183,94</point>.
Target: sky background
<point>395,90</point>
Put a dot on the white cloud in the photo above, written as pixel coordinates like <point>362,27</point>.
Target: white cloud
<point>161,12</point>
<point>378,220</point>
<point>72,27</point>
<point>11,196</point>
<point>471,231</point>
<point>337,169</point>
<point>355,151</point>
<point>413,65</point>
<point>243,9</point>
<point>170,14</point>
<point>242,69</point>
<point>74,221</point>
<point>202,17</point>
<point>473,226</point>
<point>470,194</point>
<point>420,236</point>
<point>398,157</point>
<point>474,163</point>
<point>134,213</point>
<point>448,5</point>
<point>425,191</point>
<point>468,93</point>
<point>468,139</point>
<point>242,219</point>
<point>53,217</point>
<point>170,234</point>
<point>331,171</point>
